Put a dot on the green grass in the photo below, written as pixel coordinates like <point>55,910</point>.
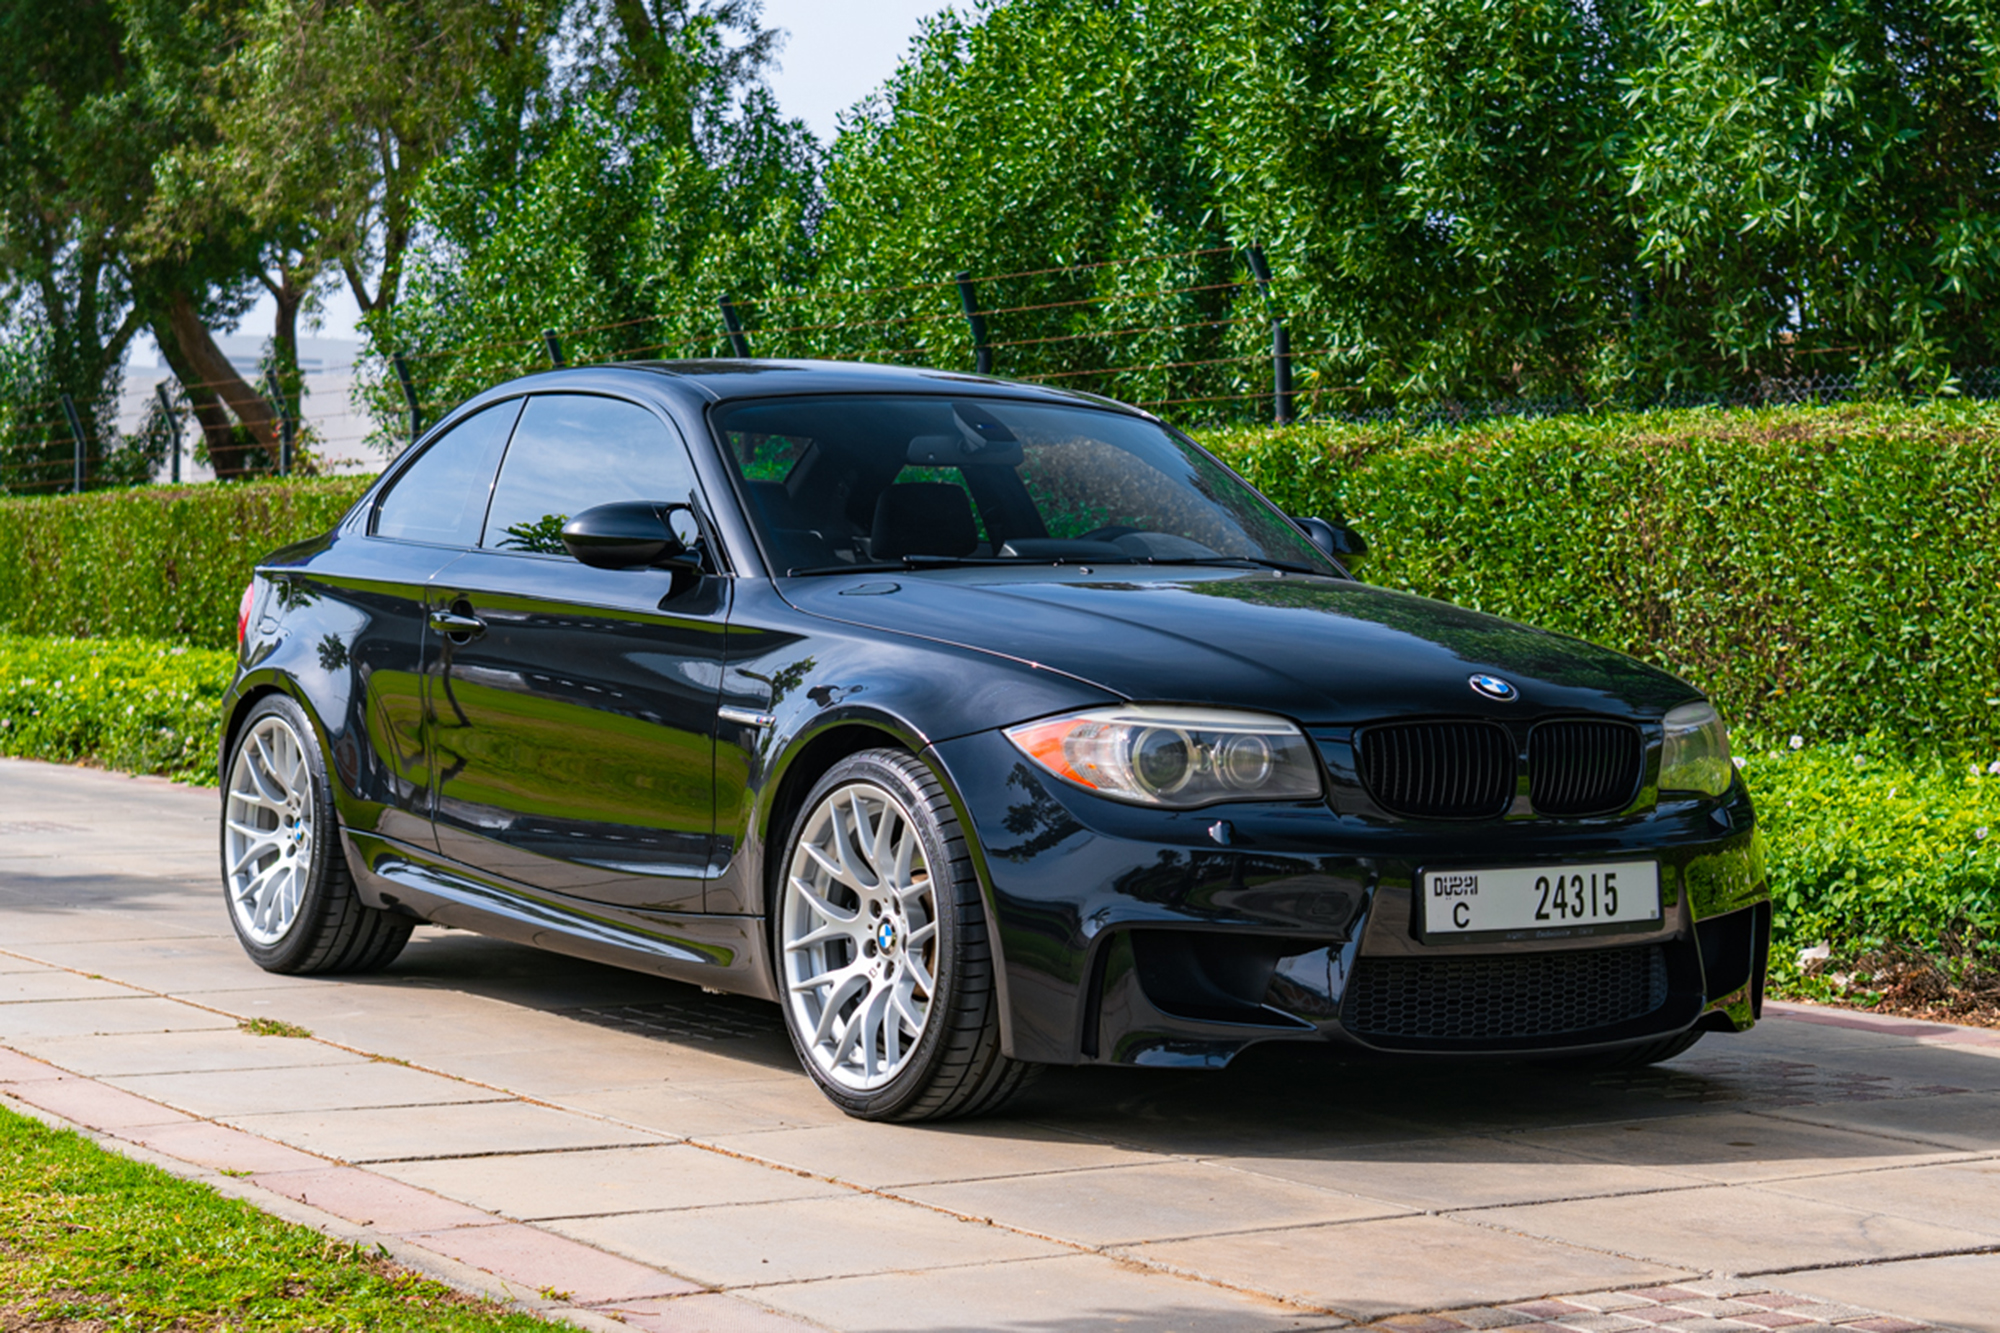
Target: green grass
<point>86,1235</point>
<point>271,1027</point>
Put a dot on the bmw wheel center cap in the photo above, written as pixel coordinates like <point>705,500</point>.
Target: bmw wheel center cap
<point>1493,687</point>
<point>885,935</point>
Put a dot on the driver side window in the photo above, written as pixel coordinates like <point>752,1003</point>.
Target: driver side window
<point>573,452</point>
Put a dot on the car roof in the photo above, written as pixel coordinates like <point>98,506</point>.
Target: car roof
<point>723,380</point>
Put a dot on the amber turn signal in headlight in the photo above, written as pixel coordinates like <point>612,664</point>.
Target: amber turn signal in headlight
<point>1177,757</point>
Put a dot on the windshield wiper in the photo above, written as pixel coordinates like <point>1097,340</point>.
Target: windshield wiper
<point>1254,561</point>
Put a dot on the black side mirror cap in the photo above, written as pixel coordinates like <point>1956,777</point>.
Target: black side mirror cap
<point>632,534</point>
<point>1335,538</point>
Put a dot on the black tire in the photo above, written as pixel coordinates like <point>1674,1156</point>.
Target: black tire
<point>1630,1057</point>
<point>956,1068</point>
<point>332,930</point>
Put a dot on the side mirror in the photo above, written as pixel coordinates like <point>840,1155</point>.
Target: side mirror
<point>1335,538</point>
<point>632,534</point>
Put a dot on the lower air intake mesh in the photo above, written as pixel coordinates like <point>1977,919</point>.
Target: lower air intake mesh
<point>1525,995</point>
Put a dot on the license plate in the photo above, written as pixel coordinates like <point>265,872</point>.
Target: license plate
<point>1535,898</point>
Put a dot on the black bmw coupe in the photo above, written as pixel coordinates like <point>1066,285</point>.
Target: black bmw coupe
<point>980,727</point>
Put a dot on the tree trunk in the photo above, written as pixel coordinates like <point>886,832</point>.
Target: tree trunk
<point>209,413</point>
<point>212,371</point>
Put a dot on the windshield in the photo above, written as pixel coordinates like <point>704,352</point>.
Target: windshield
<point>848,482</point>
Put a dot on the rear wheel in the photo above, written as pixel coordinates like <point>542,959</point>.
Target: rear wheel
<point>291,898</point>
<point>883,960</point>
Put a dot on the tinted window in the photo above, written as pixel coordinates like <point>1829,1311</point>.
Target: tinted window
<point>572,452</point>
<point>837,482</point>
<point>442,496</point>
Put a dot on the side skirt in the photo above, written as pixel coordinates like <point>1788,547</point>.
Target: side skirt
<point>725,953</point>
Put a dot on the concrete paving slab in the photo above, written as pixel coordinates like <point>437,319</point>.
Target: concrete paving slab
<point>183,1052</point>
<point>1733,1147</point>
<point>82,1018</point>
<point>1965,1195</point>
<point>781,1103</point>
<point>223,1093</point>
<point>882,1155</point>
<point>550,1264</point>
<point>1128,1205</point>
<point>18,1068</point>
<point>1744,1230</point>
<point>708,1312</point>
<point>1365,1270</point>
<point>11,965</point>
<point>1957,1291</point>
<point>221,1148</point>
<point>757,1243</point>
<point>1967,1120</point>
<point>615,1180</point>
<point>29,928</point>
<point>1460,1172</point>
<point>406,1133</point>
<point>547,1072</point>
<point>54,984</point>
<point>372,1200</point>
<point>90,1103</point>
<point>1072,1294</point>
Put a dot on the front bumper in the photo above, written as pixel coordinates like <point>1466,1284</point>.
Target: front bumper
<point>1139,936</point>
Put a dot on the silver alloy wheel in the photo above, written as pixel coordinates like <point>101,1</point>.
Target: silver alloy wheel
<point>859,937</point>
<point>268,834</point>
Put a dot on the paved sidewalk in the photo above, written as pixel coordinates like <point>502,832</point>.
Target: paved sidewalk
<point>610,1145</point>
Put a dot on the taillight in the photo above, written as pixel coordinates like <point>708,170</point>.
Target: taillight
<point>243,612</point>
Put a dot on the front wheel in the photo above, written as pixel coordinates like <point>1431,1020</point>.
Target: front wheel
<point>883,961</point>
<point>291,897</point>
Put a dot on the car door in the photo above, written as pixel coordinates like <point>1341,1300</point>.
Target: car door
<point>573,709</point>
<point>373,592</point>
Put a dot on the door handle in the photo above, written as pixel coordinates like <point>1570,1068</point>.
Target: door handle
<point>453,623</point>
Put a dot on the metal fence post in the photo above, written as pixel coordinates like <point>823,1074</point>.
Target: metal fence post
<point>982,355</point>
<point>739,341</point>
<point>1281,342</point>
<point>553,346</point>
<point>173,424</point>
<point>283,409</point>
<point>76,433</point>
<point>402,364</point>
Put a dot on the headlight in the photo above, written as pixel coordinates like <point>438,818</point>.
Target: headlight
<point>1695,757</point>
<point>1175,757</point>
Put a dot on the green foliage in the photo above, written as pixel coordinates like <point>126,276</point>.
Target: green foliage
<point>131,704</point>
<point>157,562</point>
<point>1878,858</point>
<point>1620,203</point>
<point>1828,572</point>
<point>100,1241</point>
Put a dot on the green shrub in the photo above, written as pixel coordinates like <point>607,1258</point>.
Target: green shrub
<point>130,704</point>
<point>1887,862</point>
<point>153,562</point>
<point>1830,571</point>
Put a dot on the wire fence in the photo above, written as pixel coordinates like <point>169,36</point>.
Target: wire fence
<point>1199,334</point>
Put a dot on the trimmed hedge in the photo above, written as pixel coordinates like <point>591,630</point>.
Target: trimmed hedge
<point>154,562</point>
<point>1825,571</point>
<point>131,704</point>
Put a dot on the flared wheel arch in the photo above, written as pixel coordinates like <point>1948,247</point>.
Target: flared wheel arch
<point>809,762</point>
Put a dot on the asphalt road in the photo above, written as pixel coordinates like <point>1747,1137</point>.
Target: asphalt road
<point>604,1143</point>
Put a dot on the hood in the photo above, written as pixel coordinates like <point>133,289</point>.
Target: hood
<point>1319,650</point>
